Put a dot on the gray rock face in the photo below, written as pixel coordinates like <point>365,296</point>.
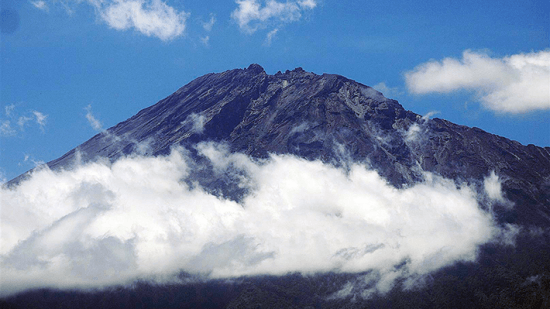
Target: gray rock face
<point>336,120</point>
<point>331,118</point>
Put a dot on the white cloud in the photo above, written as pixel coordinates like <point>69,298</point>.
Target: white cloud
<point>508,234</point>
<point>417,132</point>
<point>40,4</point>
<point>388,92</point>
<point>22,120</point>
<point>94,123</point>
<point>6,129</point>
<point>102,224</point>
<point>205,40</point>
<point>251,15</point>
<point>194,123</point>
<point>27,158</point>
<point>411,135</point>
<point>149,17</point>
<point>8,109</point>
<point>152,18</point>
<point>269,37</point>
<point>493,187</point>
<point>208,25</point>
<point>40,119</point>
<point>307,4</point>
<point>513,84</point>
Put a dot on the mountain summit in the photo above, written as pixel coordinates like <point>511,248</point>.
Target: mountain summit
<point>293,190</point>
<point>326,117</point>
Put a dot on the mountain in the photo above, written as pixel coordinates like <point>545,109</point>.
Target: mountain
<point>337,121</point>
<point>310,115</point>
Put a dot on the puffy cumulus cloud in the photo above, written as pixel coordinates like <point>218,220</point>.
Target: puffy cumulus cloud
<point>513,84</point>
<point>104,223</point>
<point>149,17</point>
<point>152,18</point>
<point>251,15</point>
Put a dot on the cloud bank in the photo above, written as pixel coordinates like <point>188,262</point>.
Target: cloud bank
<point>103,224</point>
<point>513,84</point>
<point>251,15</point>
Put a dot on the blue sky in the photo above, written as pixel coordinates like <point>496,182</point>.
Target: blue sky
<point>70,68</point>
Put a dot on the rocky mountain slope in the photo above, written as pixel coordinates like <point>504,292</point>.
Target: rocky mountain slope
<point>331,118</point>
<point>338,121</point>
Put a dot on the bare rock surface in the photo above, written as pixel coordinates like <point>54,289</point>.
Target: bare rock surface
<point>339,121</point>
<point>331,118</point>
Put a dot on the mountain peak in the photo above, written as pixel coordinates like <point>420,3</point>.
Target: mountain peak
<point>297,112</point>
<point>327,117</point>
<point>298,70</point>
<point>255,68</point>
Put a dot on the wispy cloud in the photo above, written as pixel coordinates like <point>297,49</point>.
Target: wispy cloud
<point>251,15</point>
<point>6,129</point>
<point>307,4</point>
<point>513,84</point>
<point>388,92</point>
<point>208,25</point>
<point>40,119</point>
<point>27,158</point>
<point>21,120</point>
<point>269,37</point>
<point>8,109</point>
<point>194,123</point>
<point>94,123</point>
<point>40,4</point>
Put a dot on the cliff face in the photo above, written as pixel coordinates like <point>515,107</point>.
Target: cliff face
<point>331,118</point>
